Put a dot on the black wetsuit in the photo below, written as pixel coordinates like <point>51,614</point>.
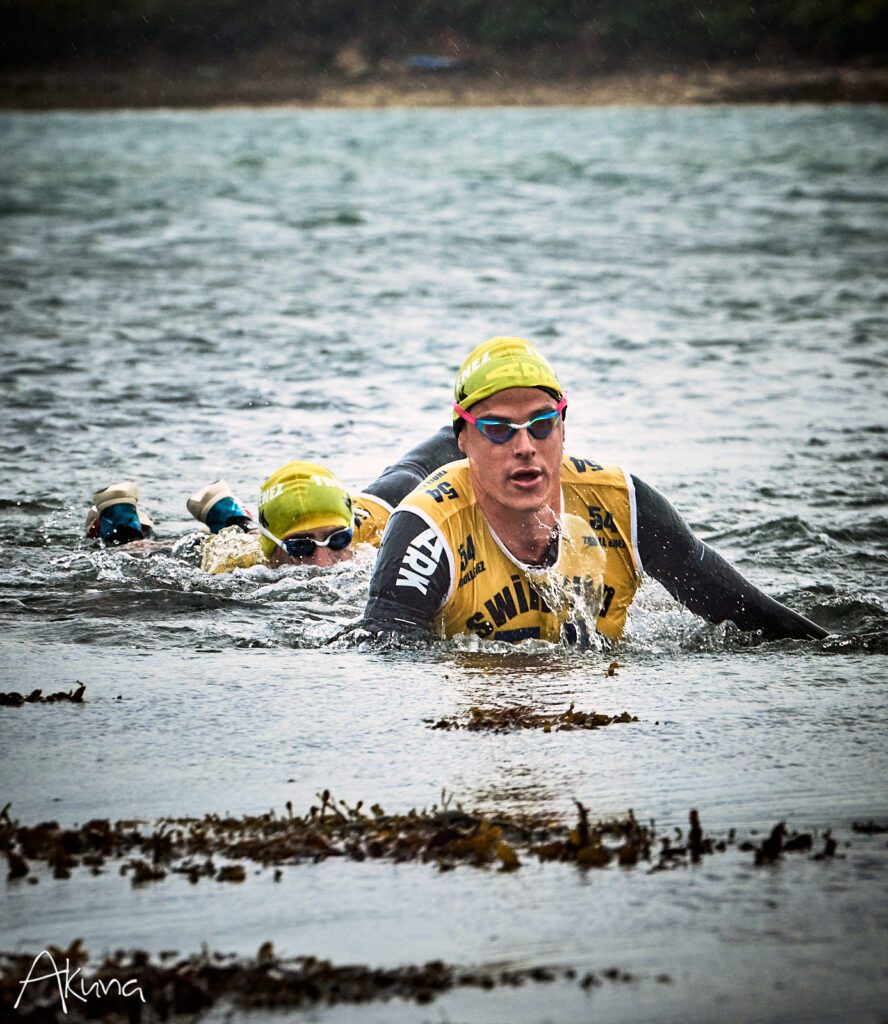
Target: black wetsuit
<point>397,481</point>
<point>690,570</point>
<point>702,580</point>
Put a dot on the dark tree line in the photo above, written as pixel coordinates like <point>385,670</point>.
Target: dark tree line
<point>606,31</point>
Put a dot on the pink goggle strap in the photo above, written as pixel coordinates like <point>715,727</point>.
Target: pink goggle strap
<point>469,418</point>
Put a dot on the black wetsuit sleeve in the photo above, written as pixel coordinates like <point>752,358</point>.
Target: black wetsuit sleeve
<point>397,481</point>
<point>410,580</point>
<point>702,580</point>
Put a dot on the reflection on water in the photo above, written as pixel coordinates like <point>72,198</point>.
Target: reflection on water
<point>190,296</point>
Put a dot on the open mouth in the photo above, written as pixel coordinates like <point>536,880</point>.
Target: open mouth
<point>526,477</point>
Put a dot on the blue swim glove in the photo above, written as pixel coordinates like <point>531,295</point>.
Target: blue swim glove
<point>226,512</point>
<point>217,507</point>
<point>120,524</point>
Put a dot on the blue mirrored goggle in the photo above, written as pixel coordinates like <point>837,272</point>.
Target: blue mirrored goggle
<point>305,547</point>
<point>499,430</point>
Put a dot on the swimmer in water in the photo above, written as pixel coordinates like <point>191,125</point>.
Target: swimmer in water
<point>520,541</point>
<point>306,515</point>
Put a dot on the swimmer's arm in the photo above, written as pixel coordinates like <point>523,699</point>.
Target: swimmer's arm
<point>407,588</point>
<point>702,580</point>
<point>397,481</point>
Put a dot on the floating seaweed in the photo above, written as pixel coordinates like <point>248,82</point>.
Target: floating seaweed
<point>16,700</point>
<point>521,716</point>
<point>781,841</point>
<point>133,986</point>
<point>869,828</point>
<point>697,846</point>
<point>445,836</point>
<point>596,845</point>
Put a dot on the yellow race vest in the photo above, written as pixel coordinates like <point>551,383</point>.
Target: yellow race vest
<point>371,516</point>
<point>589,587</point>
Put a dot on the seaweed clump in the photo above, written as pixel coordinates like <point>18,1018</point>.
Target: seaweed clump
<point>520,716</point>
<point>596,845</point>
<point>780,840</point>
<point>215,848</point>
<point>134,987</point>
<point>131,986</point>
<point>869,828</point>
<point>16,700</point>
<point>442,836</point>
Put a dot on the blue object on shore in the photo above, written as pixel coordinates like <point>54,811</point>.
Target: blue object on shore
<point>430,62</point>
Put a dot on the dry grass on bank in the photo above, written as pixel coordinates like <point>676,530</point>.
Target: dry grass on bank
<point>258,82</point>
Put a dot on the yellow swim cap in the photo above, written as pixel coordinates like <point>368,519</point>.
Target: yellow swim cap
<point>302,496</point>
<point>502,363</point>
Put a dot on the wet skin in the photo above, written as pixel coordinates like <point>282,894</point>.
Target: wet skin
<point>517,484</point>
<point>321,556</point>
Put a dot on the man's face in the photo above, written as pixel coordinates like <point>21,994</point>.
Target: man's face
<point>522,475</point>
<point>320,556</point>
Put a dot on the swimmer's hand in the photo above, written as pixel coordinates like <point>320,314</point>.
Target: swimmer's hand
<point>362,633</point>
<point>353,634</point>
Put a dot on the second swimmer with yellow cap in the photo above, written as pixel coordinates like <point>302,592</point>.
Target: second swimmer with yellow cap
<point>306,515</point>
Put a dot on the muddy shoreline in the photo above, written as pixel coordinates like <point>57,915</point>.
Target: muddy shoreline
<point>266,81</point>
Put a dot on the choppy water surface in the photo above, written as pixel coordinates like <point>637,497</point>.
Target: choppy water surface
<point>188,296</point>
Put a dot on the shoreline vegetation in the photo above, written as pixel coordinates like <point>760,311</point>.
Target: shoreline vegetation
<point>106,54</point>
<point>258,81</point>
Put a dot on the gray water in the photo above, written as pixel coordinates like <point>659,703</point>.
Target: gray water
<point>193,295</point>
